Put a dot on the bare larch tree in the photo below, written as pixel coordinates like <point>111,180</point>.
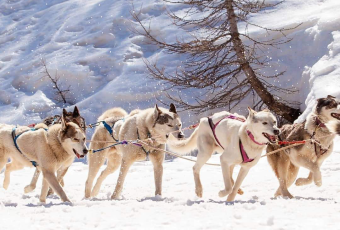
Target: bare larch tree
<point>219,59</point>
<point>61,94</point>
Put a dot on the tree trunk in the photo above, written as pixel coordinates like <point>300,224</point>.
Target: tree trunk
<point>277,107</point>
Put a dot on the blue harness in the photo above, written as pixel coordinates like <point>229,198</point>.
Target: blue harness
<point>15,138</point>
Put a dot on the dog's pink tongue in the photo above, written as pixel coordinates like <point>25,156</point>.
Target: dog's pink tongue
<point>78,156</point>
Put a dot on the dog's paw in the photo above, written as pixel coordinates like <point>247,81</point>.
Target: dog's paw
<point>223,193</point>
<point>29,188</point>
<point>318,183</point>
<point>199,193</point>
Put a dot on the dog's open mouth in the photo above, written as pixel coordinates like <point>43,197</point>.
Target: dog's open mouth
<point>271,138</point>
<point>336,115</point>
<point>77,154</point>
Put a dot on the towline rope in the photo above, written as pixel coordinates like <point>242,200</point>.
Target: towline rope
<point>138,142</point>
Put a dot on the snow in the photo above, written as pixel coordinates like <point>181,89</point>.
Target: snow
<point>313,208</point>
<point>91,46</point>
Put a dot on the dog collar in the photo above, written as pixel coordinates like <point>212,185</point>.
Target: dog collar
<point>251,136</point>
<point>319,123</point>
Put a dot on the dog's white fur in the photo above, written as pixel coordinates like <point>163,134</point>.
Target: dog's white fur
<point>52,150</point>
<point>146,121</point>
<point>229,132</point>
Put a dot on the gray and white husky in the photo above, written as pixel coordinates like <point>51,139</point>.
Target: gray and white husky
<point>322,125</point>
<point>48,150</point>
<point>154,123</point>
<point>241,142</point>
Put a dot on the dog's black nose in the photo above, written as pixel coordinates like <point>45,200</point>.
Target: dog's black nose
<point>180,135</point>
<point>276,132</point>
<point>85,151</point>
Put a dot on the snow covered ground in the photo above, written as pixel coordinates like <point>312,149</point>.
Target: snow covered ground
<point>178,208</point>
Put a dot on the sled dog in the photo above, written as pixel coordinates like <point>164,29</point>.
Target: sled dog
<point>74,117</point>
<point>311,155</point>
<point>241,142</point>
<point>153,123</point>
<point>48,150</point>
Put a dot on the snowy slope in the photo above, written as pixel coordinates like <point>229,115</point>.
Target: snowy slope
<point>313,207</point>
<point>91,46</point>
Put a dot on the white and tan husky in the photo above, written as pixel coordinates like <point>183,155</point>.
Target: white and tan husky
<point>241,142</point>
<point>48,150</point>
<point>321,125</point>
<point>153,122</point>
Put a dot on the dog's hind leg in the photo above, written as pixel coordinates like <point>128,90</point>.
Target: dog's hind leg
<point>3,161</point>
<point>280,164</point>
<point>157,159</point>
<point>241,175</point>
<point>32,185</point>
<point>113,163</point>
<point>205,150</point>
<point>126,164</point>
<point>10,167</point>
<point>95,161</point>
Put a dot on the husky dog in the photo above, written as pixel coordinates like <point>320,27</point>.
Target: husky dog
<point>311,155</point>
<point>153,122</point>
<point>241,142</point>
<point>48,150</point>
<point>74,117</point>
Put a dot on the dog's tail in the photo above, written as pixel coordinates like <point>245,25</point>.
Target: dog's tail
<point>334,127</point>
<point>114,112</point>
<point>183,146</point>
<point>134,112</point>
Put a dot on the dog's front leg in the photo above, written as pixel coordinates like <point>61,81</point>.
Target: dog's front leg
<point>157,161</point>
<point>227,176</point>
<point>312,166</point>
<point>304,181</point>
<point>32,185</point>
<point>52,180</point>
<point>241,175</point>
<point>44,190</point>
<point>60,177</point>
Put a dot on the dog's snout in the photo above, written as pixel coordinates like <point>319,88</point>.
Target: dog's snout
<point>276,131</point>
<point>85,151</point>
<point>180,135</point>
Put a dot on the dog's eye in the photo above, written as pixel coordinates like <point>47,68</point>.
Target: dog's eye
<point>179,125</point>
<point>264,123</point>
<point>84,139</point>
<point>170,126</point>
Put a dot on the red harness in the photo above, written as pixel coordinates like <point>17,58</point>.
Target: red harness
<point>244,155</point>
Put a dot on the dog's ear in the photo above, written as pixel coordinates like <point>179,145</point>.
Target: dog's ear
<point>251,112</point>
<point>172,108</point>
<point>157,111</point>
<point>63,120</point>
<point>330,97</point>
<point>76,112</point>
